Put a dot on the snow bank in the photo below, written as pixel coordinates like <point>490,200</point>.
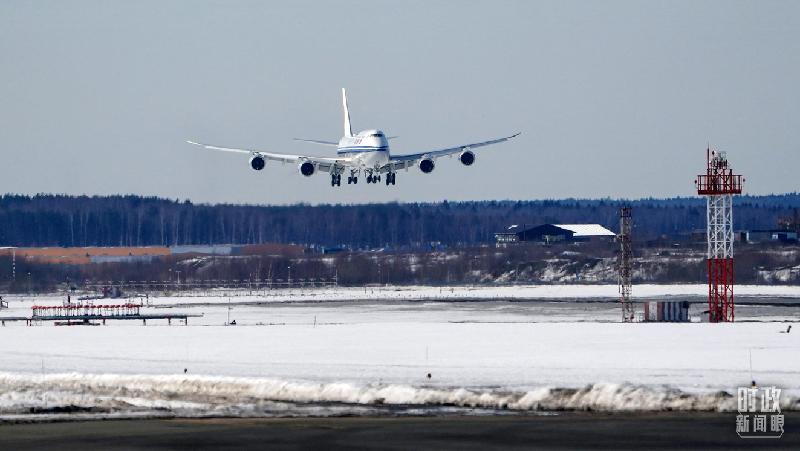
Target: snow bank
<point>230,396</point>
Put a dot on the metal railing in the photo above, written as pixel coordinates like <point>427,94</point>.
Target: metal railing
<point>208,287</point>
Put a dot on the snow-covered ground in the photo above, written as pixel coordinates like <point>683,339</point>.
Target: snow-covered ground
<point>518,292</point>
<point>430,293</point>
<point>281,358</point>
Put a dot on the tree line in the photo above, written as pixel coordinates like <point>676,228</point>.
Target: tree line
<point>61,220</point>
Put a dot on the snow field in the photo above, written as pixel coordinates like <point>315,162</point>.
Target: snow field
<point>492,354</point>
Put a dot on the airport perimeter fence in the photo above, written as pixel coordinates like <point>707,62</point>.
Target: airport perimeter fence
<point>203,288</point>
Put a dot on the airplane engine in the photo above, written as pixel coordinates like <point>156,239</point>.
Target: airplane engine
<point>426,165</point>
<point>307,169</point>
<point>467,157</point>
<point>257,162</point>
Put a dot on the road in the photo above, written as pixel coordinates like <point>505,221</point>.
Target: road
<point>675,430</point>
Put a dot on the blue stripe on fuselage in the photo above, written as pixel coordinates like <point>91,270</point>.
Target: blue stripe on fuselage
<point>354,149</point>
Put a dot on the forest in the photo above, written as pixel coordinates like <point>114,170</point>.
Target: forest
<point>61,220</point>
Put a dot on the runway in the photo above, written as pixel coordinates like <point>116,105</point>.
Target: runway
<point>559,431</point>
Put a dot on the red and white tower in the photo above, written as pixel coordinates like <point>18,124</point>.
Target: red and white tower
<point>719,184</point>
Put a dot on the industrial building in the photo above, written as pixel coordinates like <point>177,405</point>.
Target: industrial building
<point>85,255</point>
<point>765,236</point>
<point>666,311</point>
<point>553,233</point>
<point>142,254</point>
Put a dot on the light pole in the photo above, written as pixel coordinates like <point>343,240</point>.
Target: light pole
<point>289,277</point>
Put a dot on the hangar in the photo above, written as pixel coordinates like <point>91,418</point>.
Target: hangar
<point>553,233</point>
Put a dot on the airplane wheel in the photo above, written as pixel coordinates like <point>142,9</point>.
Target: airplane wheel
<point>355,180</point>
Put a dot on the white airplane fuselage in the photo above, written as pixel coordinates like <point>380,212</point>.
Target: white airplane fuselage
<point>370,148</point>
<point>365,152</point>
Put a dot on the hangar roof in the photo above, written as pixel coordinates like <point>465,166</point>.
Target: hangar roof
<point>580,230</point>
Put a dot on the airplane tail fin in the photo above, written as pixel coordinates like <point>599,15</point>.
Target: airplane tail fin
<point>348,131</point>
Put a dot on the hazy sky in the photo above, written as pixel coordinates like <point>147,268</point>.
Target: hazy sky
<point>613,98</point>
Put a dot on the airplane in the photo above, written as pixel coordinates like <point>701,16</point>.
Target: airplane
<point>364,152</point>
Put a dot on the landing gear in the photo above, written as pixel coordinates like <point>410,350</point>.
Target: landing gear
<point>377,178</point>
<point>391,178</point>
<point>336,180</point>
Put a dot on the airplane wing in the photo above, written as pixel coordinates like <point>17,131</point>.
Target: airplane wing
<point>403,161</point>
<point>322,163</point>
<point>318,141</point>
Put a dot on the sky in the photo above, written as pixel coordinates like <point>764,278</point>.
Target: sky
<point>613,99</point>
